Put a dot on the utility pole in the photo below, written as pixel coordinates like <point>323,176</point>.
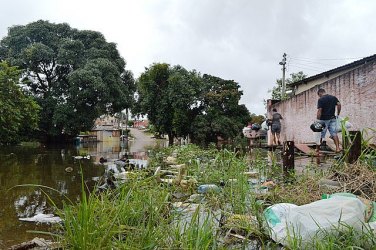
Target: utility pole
<point>283,63</point>
<point>121,124</point>
<point>126,124</point>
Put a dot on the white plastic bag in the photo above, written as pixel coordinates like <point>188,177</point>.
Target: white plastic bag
<point>306,222</point>
<point>264,126</point>
<point>276,214</point>
<point>247,132</point>
<point>339,121</point>
<point>317,138</point>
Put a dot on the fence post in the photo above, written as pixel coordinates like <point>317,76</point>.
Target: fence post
<point>288,157</point>
<point>353,143</point>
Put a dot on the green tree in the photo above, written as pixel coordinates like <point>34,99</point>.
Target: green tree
<point>185,88</point>
<point>18,112</point>
<point>259,119</point>
<point>167,95</point>
<point>180,103</point>
<point>220,113</point>
<point>294,77</point>
<point>69,72</point>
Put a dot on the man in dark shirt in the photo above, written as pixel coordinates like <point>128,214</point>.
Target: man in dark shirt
<point>326,107</point>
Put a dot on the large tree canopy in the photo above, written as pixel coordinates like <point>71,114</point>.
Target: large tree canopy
<point>258,119</point>
<point>167,95</point>
<point>221,115</point>
<point>75,75</point>
<point>180,103</point>
<point>18,112</point>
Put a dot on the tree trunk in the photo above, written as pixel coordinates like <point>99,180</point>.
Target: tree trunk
<point>170,139</point>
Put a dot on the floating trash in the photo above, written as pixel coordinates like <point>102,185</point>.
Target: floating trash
<point>43,218</point>
<point>68,169</point>
<point>80,157</point>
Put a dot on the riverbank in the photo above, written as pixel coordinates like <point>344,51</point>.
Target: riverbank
<point>204,199</point>
<point>37,164</point>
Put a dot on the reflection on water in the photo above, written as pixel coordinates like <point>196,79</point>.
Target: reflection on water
<point>47,166</point>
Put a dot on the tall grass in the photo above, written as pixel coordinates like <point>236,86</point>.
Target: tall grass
<point>142,214</point>
<point>368,154</point>
<point>89,224</point>
<point>341,237</point>
<point>198,232</point>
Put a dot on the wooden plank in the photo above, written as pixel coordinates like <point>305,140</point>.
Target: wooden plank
<point>288,158</point>
<point>328,152</point>
<point>355,147</point>
<point>331,145</point>
<point>304,148</point>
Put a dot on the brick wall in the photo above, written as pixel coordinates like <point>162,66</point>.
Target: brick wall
<point>356,90</point>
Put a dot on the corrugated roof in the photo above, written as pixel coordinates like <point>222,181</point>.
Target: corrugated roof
<point>338,69</point>
<point>105,127</point>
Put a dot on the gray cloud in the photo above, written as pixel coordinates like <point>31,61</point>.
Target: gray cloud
<point>241,40</point>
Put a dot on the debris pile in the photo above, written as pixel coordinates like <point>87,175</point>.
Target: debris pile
<point>356,179</point>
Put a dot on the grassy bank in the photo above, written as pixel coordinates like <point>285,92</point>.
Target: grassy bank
<point>143,213</point>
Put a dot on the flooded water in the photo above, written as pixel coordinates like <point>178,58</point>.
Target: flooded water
<point>57,168</point>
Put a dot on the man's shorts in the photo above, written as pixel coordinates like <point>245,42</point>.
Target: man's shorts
<point>276,128</point>
<point>331,126</point>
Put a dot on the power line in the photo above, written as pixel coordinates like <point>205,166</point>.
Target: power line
<point>318,67</point>
<point>308,64</point>
<point>312,62</point>
<point>328,59</point>
<point>302,67</point>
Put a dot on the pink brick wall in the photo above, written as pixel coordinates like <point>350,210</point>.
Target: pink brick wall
<point>356,90</point>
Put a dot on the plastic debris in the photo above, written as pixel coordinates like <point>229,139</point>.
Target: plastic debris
<point>288,221</point>
<point>43,218</point>
<point>208,188</point>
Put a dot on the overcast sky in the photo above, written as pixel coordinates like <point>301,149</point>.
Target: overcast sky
<point>241,40</point>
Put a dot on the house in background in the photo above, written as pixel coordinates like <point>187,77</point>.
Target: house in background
<point>106,133</point>
<point>140,124</point>
<point>107,120</point>
<point>106,129</point>
<point>354,84</point>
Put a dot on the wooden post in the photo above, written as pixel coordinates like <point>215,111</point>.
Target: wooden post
<point>237,150</point>
<point>353,143</point>
<point>288,157</point>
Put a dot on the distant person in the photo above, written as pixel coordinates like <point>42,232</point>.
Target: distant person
<point>276,127</point>
<point>326,107</point>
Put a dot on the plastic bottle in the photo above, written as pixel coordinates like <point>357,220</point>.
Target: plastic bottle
<point>206,188</point>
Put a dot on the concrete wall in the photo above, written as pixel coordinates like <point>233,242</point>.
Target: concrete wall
<point>306,86</point>
<point>107,135</point>
<point>355,89</point>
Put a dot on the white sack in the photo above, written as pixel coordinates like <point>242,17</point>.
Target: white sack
<point>339,121</point>
<point>308,221</point>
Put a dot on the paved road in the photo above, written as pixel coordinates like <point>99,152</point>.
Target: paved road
<point>141,141</point>
<point>140,135</point>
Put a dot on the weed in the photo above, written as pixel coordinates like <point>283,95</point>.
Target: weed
<point>141,213</point>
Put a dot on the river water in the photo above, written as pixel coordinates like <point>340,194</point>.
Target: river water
<point>57,168</point>
<point>47,166</point>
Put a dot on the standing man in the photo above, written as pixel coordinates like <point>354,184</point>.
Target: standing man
<point>276,127</point>
<point>326,107</point>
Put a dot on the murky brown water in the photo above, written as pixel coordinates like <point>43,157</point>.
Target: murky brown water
<point>46,166</point>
